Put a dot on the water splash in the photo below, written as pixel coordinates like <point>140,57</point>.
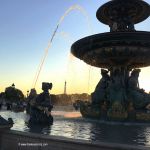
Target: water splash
<point>74,7</point>
<point>89,78</point>
<point>70,67</point>
<point>71,62</point>
<point>63,34</point>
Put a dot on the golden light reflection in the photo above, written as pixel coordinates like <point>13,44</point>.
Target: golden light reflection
<point>66,114</point>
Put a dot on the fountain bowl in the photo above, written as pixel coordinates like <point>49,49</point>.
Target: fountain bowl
<point>104,50</point>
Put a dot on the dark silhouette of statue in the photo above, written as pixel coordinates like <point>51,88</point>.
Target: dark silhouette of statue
<point>99,95</point>
<point>6,124</point>
<point>44,99</point>
<point>116,90</point>
<point>137,96</point>
<point>31,100</point>
<point>41,106</point>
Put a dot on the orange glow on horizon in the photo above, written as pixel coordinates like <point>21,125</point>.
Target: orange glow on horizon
<point>77,77</point>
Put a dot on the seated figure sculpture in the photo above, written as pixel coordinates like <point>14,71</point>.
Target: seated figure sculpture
<point>99,95</point>
<point>41,109</point>
<point>116,89</point>
<point>137,96</point>
<point>31,100</point>
<point>116,95</point>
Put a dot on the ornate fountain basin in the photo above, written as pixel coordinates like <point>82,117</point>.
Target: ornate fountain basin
<point>104,50</point>
<point>136,10</point>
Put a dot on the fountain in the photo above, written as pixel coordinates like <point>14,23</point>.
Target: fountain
<point>117,96</point>
<point>122,51</point>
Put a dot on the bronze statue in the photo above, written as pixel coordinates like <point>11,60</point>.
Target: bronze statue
<point>116,90</point>
<point>139,98</point>
<point>99,95</point>
<point>31,100</point>
<point>41,106</point>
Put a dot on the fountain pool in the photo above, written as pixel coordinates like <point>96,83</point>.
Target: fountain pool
<point>72,125</point>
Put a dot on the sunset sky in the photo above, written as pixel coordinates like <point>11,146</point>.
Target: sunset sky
<point>26,26</point>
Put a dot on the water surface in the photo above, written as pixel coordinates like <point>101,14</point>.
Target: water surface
<point>72,125</point>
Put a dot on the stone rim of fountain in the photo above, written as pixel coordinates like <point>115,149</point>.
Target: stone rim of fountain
<point>95,49</point>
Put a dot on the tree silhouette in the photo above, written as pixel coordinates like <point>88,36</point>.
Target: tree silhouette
<point>13,95</point>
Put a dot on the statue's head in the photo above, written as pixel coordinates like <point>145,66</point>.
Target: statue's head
<point>46,86</point>
<point>135,72</point>
<point>104,72</point>
<point>33,92</point>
